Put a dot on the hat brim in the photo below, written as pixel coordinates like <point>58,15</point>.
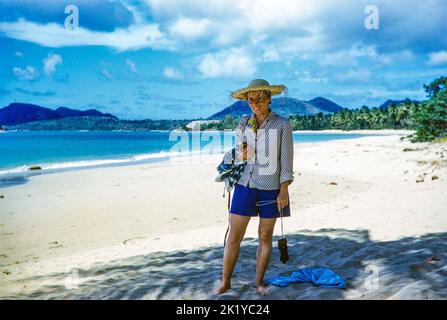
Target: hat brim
<point>274,89</point>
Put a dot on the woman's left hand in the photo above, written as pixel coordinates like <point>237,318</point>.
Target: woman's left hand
<point>283,199</point>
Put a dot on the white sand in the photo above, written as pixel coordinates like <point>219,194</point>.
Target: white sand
<point>140,231</point>
<point>366,131</point>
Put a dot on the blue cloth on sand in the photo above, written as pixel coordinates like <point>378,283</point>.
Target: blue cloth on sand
<point>323,277</point>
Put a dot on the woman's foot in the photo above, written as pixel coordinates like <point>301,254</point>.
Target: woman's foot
<point>262,288</point>
<point>222,288</point>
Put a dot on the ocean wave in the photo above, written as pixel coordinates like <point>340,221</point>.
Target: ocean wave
<point>21,173</point>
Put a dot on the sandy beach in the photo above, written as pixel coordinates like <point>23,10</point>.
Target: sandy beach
<point>373,209</point>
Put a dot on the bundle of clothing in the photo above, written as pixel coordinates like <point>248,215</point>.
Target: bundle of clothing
<point>230,170</point>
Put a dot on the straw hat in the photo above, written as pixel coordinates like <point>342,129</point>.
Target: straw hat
<point>258,84</point>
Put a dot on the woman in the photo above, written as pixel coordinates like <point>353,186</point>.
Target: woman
<point>267,144</point>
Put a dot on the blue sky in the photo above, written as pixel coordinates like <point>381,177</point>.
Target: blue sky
<point>181,59</point>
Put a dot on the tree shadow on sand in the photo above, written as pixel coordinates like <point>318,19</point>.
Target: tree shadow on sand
<point>408,268</point>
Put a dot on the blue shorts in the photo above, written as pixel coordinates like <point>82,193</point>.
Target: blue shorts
<point>245,198</point>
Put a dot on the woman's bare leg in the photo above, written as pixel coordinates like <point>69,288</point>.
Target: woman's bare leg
<point>265,233</point>
<point>238,226</point>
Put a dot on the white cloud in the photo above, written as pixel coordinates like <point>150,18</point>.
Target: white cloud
<point>270,54</point>
<point>106,74</point>
<point>256,15</point>
<point>381,93</point>
<point>395,94</point>
<point>302,76</point>
<point>234,22</point>
<point>264,16</point>
<point>337,59</point>
<point>189,28</point>
<point>309,27</point>
<point>235,62</point>
<point>351,56</point>
<point>55,36</point>
<point>172,73</point>
<point>285,30</point>
<point>132,66</point>
<point>437,58</point>
<point>29,73</point>
<point>50,63</point>
<point>358,75</point>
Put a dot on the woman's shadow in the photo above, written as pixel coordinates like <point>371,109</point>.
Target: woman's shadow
<point>408,268</point>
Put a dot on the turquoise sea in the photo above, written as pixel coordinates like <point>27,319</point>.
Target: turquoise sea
<point>69,150</point>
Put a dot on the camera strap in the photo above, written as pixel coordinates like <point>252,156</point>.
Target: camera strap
<point>266,202</point>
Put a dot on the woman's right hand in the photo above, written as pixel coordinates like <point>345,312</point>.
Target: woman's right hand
<point>247,152</point>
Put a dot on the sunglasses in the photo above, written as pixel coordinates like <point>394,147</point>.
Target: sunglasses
<point>257,100</point>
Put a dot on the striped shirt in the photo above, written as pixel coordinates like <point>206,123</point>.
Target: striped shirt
<point>272,163</point>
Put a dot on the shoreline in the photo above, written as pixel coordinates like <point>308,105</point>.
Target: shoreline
<point>365,188</point>
<point>366,131</point>
<point>21,174</point>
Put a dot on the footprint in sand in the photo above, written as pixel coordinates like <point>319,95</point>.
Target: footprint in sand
<point>6,234</point>
<point>127,241</point>
<point>55,245</point>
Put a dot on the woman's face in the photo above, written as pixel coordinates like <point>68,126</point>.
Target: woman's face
<point>258,102</point>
